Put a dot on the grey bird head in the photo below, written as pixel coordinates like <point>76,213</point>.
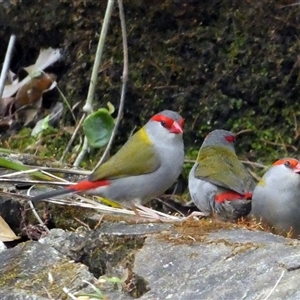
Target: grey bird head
<point>220,137</point>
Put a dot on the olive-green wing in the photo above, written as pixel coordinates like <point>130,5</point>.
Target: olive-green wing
<point>222,167</point>
<point>136,157</point>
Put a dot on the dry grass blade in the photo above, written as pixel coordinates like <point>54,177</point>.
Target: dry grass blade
<point>60,181</point>
<point>85,202</point>
<point>20,181</point>
<point>60,170</point>
<point>19,167</point>
<point>14,195</point>
<point>88,203</point>
<point>16,174</point>
<point>25,172</point>
<point>274,287</point>
<point>54,176</point>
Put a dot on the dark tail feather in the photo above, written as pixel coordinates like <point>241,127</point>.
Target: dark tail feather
<point>52,194</point>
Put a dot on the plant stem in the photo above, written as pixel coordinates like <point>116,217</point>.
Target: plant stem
<point>81,155</point>
<point>88,107</point>
<point>124,83</point>
<point>6,62</point>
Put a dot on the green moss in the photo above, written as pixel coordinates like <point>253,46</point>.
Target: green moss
<point>55,287</point>
<point>9,278</point>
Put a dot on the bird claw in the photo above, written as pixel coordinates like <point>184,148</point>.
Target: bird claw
<point>151,215</point>
<point>154,216</point>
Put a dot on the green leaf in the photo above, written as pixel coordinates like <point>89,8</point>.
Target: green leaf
<point>98,294</point>
<point>40,126</point>
<point>9,164</point>
<point>98,127</point>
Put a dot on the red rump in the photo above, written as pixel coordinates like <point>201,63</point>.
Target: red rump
<point>231,196</point>
<point>87,185</point>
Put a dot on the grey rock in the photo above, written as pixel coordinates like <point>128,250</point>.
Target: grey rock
<point>159,263</point>
<point>32,270</point>
<point>229,264</point>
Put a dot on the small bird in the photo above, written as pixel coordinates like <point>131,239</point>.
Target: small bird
<point>219,184</point>
<point>144,168</point>
<point>276,198</point>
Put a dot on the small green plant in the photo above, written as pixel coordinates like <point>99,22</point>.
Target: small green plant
<point>98,126</point>
<point>98,293</point>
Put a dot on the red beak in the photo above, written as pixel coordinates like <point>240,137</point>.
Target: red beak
<point>176,128</point>
<point>296,169</point>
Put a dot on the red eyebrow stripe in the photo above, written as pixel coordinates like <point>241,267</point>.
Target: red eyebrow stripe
<point>169,122</point>
<point>294,162</point>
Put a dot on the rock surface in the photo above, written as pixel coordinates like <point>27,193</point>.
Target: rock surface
<point>154,261</point>
<point>229,264</point>
<point>32,270</point>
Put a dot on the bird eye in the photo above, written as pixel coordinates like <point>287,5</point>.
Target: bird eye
<point>163,123</point>
<point>287,163</point>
